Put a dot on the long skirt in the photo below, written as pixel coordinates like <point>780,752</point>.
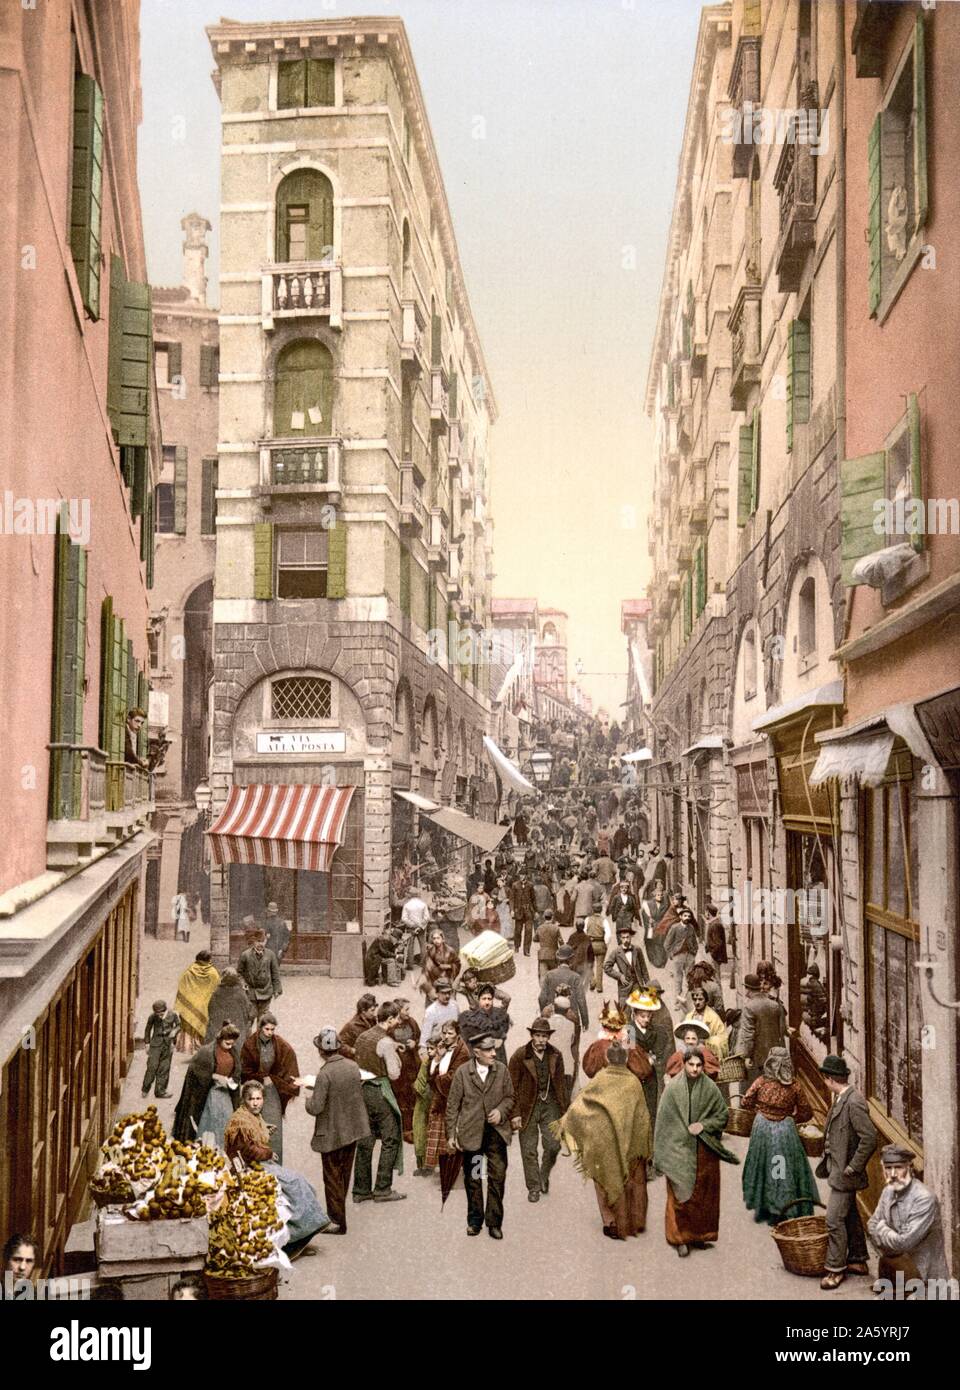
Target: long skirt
<point>404,1092</point>
<point>187,1041</point>
<point>307,1216</point>
<point>628,1215</point>
<point>421,1112</point>
<point>216,1114</point>
<point>272,1114</point>
<point>777,1171</point>
<point>687,1223</point>
<point>437,1143</point>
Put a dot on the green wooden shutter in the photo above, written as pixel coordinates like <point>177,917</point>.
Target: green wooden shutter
<point>304,379</point>
<point>118,285</point>
<point>699,583</point>
<point>798,376</point>
<point>453,395</point>
<point>337,561</point>
<point>671,387</point>
<point>873,202</point>
<point>687,604</point>
<point>208,498</point>
<point>436,341</point>
<point>209,365</point>
<point>745,475</point>
<point>148,531</point>
<point>404,581</point>
<point>320,82</point>
<point>916,472</point>
<point>431,605</point>
<point>180,491</point>
<point>174,360</point>
<point>863,481</point>
<point>263,560</point>
<point>136,366</point>
<point>143,700</point>
<point>755,462</point>
<point>106,669</point>
<point>291,84</point>
<point>87,189</point>
<point>69,661</point>
<point>920,122</point>
<point>141,480</point>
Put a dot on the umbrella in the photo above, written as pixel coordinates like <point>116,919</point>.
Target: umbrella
<point>451,1166</point>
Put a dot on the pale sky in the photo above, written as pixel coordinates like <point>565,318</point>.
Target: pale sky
<point>561,212</point>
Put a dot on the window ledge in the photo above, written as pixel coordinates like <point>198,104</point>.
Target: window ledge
<point>892,293</point>
<point>908,578</point>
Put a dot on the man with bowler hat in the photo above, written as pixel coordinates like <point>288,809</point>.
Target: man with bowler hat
<point>626,964</point>
<point>849,1138</point>
<point>479,1108</point>
<point>540,1098</point>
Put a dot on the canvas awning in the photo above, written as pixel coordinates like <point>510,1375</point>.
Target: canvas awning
<point>865,757</point>
<point>422,803</point>
<point>285,827</point>
<point>640,755</point>
<point>709,743</point>
<point>824,695</point>
<point>507,771</point>
<point>482,833</point>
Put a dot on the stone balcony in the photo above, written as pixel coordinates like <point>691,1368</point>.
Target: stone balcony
<point>795,180</point>
<point>439,398</point>
<point>412,350</point>
<point>105,803</point>
<point>413,510</point>
<point>744,95</point>
<point>301,290</point>
<point>300,467</point>
<point>745,345</point>
<point>438,546</point>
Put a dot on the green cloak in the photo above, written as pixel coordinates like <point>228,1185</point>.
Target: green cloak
<point>674,1147</point>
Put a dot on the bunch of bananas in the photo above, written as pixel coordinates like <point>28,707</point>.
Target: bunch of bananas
<point>241,1229</point>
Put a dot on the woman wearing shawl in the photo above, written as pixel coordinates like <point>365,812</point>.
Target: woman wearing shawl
<point>194,991</point>
<point>421,1109</point>
<point>689,1036</point>
<point>210,1088</point>
<point>687,1148</point>
<point>775,1145</point>
<point>270,1060</point>
<point>607,1129</point>
<point>229,1003</point>
<point>249,1137</point>
<point>439,962</point>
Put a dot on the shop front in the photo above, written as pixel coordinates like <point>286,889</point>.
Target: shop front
<point>751,918</point>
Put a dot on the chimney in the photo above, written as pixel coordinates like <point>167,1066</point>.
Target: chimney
<point>195,252</point>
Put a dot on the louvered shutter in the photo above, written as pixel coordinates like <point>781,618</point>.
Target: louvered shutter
<point>920,121</point>
<point>337,562</point>
<point>453,396</point>
<point>755,462</point>
<point>148,531</point>
<point>174,360</point>
<point>143,700</point>
<point>873,203</point>
<point>138,495</point>
<point>320,82</point>
<point>136,366</point>
<point>863,482</point>
<point>180,491</point>
<point>744,474</point>
<point>404,581</point>
<point>106,672</point>
<point>436,341</point>
<point>208,498</point>
<point>87,189</point>
<point>798,376</point>
<point>118,285</point>
<point>291,84</point>
<point>263,560</point>
<point>916,471</point>
<point>66,725</point>
<point>209,365</point>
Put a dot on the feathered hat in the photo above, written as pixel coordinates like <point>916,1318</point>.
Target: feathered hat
<point>612,1017</point>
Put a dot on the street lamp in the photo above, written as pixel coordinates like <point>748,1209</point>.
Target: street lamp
<point>541,760</point>
<point>203,799</point>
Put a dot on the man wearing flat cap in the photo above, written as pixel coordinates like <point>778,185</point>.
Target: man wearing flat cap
<point>479,1108</point>
<point>336,1102</point>
<point>540,1098</point>
<point>849,1139</point>
<point>906,1227</point>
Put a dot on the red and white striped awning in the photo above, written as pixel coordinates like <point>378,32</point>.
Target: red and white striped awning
<point>293,827</point>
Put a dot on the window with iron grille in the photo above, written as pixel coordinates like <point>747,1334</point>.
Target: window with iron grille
<point>301,698</point>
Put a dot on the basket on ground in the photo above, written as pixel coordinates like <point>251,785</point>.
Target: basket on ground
<point>260,1287</point>
<point>732,1069</point>
<point>802,1242</point>
<point>739,1122</point>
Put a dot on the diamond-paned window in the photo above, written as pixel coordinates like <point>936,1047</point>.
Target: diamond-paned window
<point>301,697</point>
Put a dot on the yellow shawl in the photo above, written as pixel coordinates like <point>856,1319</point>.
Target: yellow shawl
<point>718,1041</point>
<point>607,1128</point>
<point>197,983</point>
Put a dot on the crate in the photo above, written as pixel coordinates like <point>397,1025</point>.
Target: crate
<point>133,1242</point>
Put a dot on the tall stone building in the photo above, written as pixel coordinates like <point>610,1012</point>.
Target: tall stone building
<point>186,353</point>
<point>353,540</point>
<point>748,601</point>
<point>79,456</point>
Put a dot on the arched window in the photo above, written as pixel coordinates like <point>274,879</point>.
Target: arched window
<point>549,635</point>
<point>749,663</point>
<point>807,617</point>
<point>304,217</point>
<point>303,391</point>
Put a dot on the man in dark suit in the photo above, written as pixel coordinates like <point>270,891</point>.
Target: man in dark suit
<point>564,974</point>
<point>849,1138</point>
<point>336,1102</point>
<point>523,906</point>
<point>622,905</point>
<point>479,1109</point>
<point>761,1026</point>
<point>540,1094</point>
<point>626,964</point>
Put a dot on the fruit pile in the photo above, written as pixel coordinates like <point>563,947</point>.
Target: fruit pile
<point>165,1178</point>
<point>242,1227</point>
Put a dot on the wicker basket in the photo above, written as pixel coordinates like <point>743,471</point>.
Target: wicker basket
<point>732,1069</point>
<point>498,974</point>
<point>259,1288</point>
<point>812,1144</point>
<point>739,1121</point>
<point>802,1242</point>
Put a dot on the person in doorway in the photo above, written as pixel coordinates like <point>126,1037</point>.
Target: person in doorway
<point>259,970</point>
<point>715,938</point>
<point>269,1059</point>
<point>340,1120</point>
<point>194,991</point>
<point>276,930</point>
<point>849,1140</point>
<point>479,1110</point>
<point>540,1098</point>
<point>159,1036</point>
